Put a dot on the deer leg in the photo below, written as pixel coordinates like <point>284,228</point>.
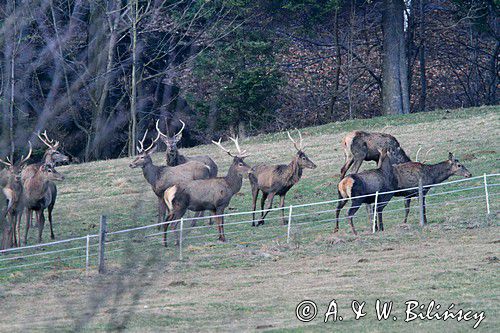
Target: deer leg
<point>255,194</point>
<point>196,215</point>
<point>282,204</point>
<point>18,225</point>
<point>369,212</point>
<point>340,205</point>
<point>28,223</point>
<point>350,214</point>
<point>50,208</point>
<point>162,208</point>
<point>220,225</point>
<point>346,167</point>
<point>268,206</point>
<point>357,164</point>
<point>41,223</point>
<point>407,208</point>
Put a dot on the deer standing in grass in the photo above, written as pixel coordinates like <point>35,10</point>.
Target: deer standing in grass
<point>162,177</point>
<point>12,188</point>
<point>173,156</point>
<point>37,196</point>
<point>408,175</point>
<point>212,194</point>
<point>277,180</point>
<point>362,146</point>
<point>364,183</point>
<point>52,156</point>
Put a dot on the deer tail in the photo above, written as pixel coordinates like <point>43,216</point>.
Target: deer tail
<point>345,187</point>
<point>169,196</point>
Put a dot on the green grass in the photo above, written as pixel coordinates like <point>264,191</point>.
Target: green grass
<point>256,279</point>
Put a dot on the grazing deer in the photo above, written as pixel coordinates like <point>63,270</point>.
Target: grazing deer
<point>38,195</point>
<point>13,191</point>
<point>362,146</point>
<point>174,158</point>
<point>277,180</point>
<point>212,194</point>
<point>364,183</point>
<point>162,177</point>
<point>408,175</point>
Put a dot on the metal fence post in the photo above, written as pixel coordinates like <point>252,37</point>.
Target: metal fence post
<point>375,212</point>
<point>180,239</point>
<point>421,202</point>
<point>289,224</point>
<point>102,240</point>
<point>87,255</point>
<point>487,196</point>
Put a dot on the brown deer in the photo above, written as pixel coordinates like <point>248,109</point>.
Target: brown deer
<point>408,175</point>
<point>212,194</point>
<point>162,177</point>
<point>277,180</point>
<point>13,191</point>
<point>52,156</point>
<point>362,146</point>
<point>38,195</point>
<point>173,156</point>
<point>364,183</point>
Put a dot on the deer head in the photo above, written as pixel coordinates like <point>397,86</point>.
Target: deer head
<point>239,164</point>
<point>49,172</point>
<point>16,168</point>
<point>144,154</point>
<point>170,142</point>
<point>302,159</point>
<point>458,168</point>
<point>52,154</point>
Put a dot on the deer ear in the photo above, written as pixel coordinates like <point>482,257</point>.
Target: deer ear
<point>450,156</point>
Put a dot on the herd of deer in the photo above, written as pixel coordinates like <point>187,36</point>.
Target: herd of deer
<point>191,183</point>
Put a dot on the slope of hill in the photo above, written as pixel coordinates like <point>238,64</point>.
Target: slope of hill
<point>255,280</point>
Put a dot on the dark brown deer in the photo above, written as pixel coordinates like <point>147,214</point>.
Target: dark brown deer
<point>173,156</point>
<point>408,175</point>
<point>13,191</point>
<point>162,177</point>
<point>364,183</point>
<point>37,196</point>
<point>277,180</point>
<point>212,194</point>
<point>362,146</point>
<point>51,156</point>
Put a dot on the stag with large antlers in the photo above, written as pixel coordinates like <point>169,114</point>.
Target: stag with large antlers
<point>362,146</point>
<point>277,180</point>
<point>174,158</point>
<point>38,195</point>
<point>162,177</point>
<point>12,188</point>
<point>212,194</point>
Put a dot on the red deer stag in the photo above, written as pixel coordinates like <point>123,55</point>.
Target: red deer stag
<point>362,146</point>
<point>408,175</point>
<point>212,194</point>
<point>277,180</point>
<point>37,195</point>
<point>367,182</point>
<point>162,177</point>
<point>13,191</point>
<point>174,158</point>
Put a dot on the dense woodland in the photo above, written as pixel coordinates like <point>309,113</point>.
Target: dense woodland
<point>97,74</point>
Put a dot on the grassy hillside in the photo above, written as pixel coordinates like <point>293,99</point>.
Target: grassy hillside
<point>256,279</point>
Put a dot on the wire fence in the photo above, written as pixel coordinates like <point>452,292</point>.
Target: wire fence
<point>468,197</point>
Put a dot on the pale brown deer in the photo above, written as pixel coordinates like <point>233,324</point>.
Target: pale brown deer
<point>173,156</point>
<point>37,196</point>
<point>408,175</point>
<point>364,183</point>
<point>13,191</point>
<point>212,194</point>
<point>162,177</point>
<point>362,146</point>
<point>277,180</point>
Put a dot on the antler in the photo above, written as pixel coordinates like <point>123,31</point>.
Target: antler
<point>179,134</point>
<point>418,151</point>
<point>427,153</point>
<point>300,144</point>
<point>48,142</point>
<point>158,129</point>
<point>8,163</point>
<point>25,159</point>
<point>140,147</point>
<point>241,154</point>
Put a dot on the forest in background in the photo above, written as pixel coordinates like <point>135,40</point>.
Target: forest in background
<point>97,74</point>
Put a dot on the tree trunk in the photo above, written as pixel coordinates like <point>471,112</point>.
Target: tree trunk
<point>395,90</point>
<point>423,78</point>
<point>338,60</point>
<point>133,93</point>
